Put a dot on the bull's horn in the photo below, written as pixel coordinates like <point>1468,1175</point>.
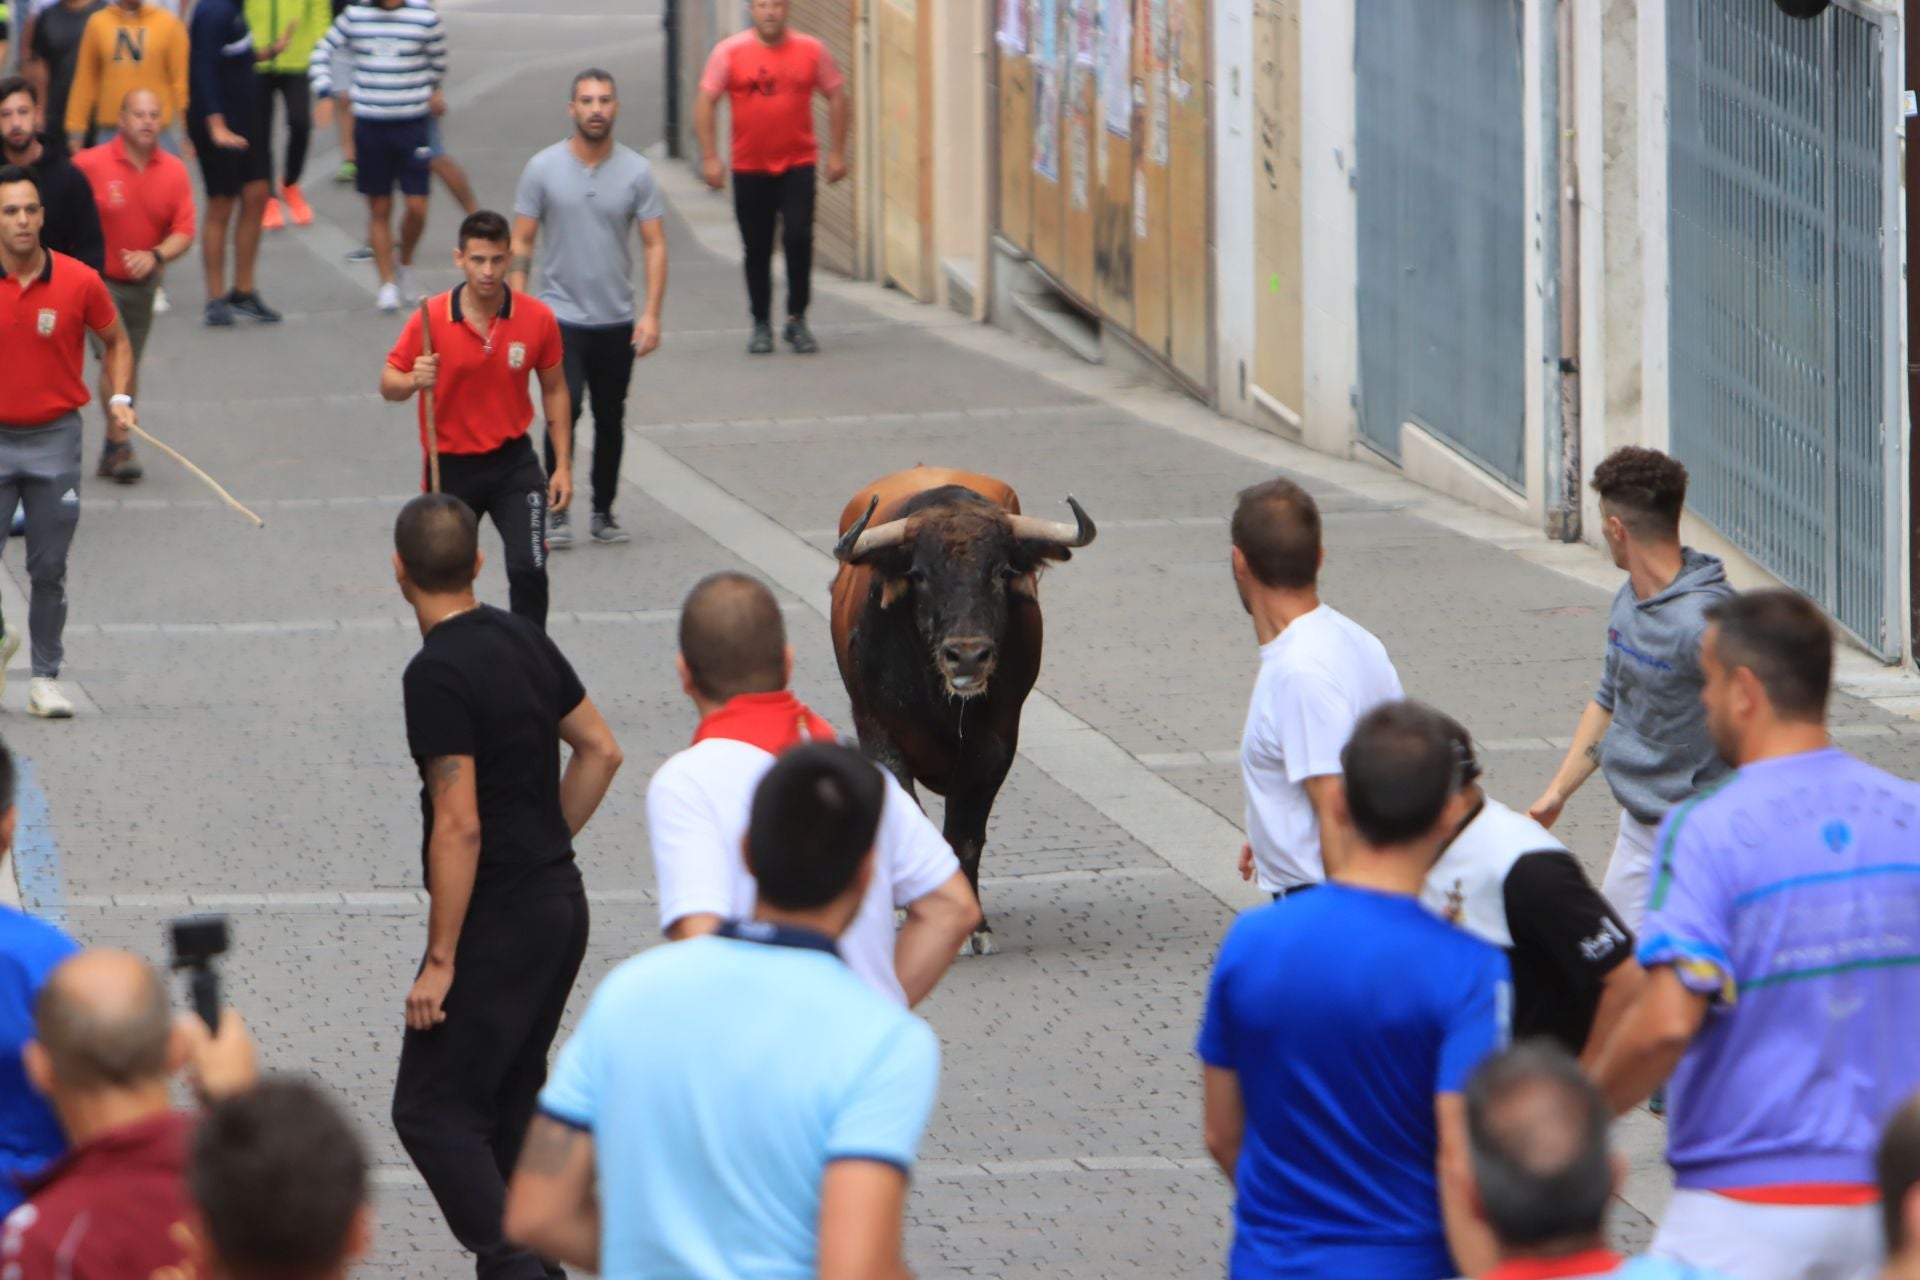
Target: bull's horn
<point>1078,534</point>
<point>858,541</point>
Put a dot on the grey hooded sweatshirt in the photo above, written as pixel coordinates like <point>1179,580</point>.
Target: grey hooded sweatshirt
<point>1658,751</point>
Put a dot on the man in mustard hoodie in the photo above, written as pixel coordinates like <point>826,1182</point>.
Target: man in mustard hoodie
<point>299,24</point>
<point>128,45</point>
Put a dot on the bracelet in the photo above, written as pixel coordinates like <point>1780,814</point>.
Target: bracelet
<point>121,399</point>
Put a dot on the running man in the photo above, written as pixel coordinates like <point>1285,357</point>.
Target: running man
<point>769,75</point>
<point>48,303</point>
<point>146,212</point>
<point>399,54</point>
<point>1783,969</point>
<point>50,51</point>
<point>1646,727</point>
<point>126,46</point>
<point>591,190</point>
<point>235,160</point>
<point>487,341</point>
<point>284,76</point>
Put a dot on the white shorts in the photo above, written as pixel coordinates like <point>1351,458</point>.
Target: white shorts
<point>1630,871</point>
<point>1770,1241</point>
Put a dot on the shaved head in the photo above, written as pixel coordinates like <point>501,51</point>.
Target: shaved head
<point>733,638</point>
<point>104,1022</point>
<point>138,98</point>
<point>438,541</point>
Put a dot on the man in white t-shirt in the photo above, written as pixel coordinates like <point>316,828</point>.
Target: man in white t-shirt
<point>1320,671</point>
<point>734,664</point>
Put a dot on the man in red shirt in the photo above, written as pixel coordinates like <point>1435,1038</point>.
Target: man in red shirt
<point>105,1048</point>
<point>48,303</point>
<point>487,341</point>
<point>146,215</point>
<point>770,75</point>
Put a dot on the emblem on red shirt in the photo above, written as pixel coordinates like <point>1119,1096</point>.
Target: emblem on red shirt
<point>47,318</point>
<point>516,355</point>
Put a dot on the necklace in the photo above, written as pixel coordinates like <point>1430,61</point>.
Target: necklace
<point>446,617</point>
<point>486,339</point>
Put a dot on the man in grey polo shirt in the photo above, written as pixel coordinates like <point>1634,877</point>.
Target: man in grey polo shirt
<point>586,191</point>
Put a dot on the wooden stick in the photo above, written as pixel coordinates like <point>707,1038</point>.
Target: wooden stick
<point>211,483</point>
<point>433,435</point>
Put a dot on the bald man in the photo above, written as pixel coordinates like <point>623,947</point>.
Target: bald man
<point>105,1048</point>
<point>735,666</point>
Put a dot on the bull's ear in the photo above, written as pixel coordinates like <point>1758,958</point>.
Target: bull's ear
<point>891,589</point>
<point>1025,586</point>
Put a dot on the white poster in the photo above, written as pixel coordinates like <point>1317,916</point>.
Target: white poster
<point>1012,33</point>
<point>1116,66</point>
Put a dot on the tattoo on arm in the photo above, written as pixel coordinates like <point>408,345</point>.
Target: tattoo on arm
<point>1593,752</point>
<point>548,1147</point>
<point>440,772</point>
<point>521,264</point>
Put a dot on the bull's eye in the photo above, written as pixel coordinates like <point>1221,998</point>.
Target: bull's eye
<point>1008,573</point>
<point>918,577</point>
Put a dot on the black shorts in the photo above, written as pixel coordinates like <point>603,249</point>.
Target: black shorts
<point>226,170</point>
<point>390,152</point>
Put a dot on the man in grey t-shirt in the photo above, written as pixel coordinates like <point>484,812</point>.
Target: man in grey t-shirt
<point>585,192</point>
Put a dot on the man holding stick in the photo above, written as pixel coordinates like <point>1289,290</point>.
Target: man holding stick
<point>48,304</point>
<point>472,351</point>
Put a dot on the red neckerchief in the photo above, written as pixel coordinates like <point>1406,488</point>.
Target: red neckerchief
<point>770,721</point>
<point>1590,1262</point>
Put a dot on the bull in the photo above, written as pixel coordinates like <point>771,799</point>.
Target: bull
<point>937,631</point>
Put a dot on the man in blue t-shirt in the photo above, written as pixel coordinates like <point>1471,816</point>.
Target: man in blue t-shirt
<point>30,949</point>
<point>775,1142</point>
<point>1340,1028</point>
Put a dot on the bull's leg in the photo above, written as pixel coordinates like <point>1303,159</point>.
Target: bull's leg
<point>881,749</point>
<point>966,830</point>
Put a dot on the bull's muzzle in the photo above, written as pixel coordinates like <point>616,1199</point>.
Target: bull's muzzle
<point>965,663</point>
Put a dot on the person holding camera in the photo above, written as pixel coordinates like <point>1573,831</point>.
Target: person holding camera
<point>105,1049</point>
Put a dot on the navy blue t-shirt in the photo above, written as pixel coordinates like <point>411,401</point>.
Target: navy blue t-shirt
<point>1344,1012</point>
<point>220,64</point>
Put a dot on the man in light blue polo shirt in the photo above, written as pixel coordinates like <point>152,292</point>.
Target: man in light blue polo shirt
<point>741,1105</point>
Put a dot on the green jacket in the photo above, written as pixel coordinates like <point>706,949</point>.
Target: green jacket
<point>268,18</point>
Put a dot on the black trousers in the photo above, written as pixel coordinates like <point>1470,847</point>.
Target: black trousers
<point>508,486</point>
<point>468,1088</point>
<point>291,86</point>
<point>599,364</point>
<point>758,199</point>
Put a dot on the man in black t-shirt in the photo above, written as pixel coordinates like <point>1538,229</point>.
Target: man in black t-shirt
<point>489,700</point>
<point>1505,879</point>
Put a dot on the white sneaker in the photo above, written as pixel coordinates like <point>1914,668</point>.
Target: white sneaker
<point>408,292</point>
<point>161,303</point>
<point>9,645</point>
<point>44,699</point>
<point>389,297</point>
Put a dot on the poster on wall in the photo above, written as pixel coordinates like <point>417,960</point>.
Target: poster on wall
<point>1159,128</point>
<point>1046,121</point>
<point>1080,15</point>
<point>1116,66</point>
<point>1077,162</point>
<point>1012,32</point>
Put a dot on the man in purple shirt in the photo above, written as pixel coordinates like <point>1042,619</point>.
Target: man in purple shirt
<point>1782,945</point>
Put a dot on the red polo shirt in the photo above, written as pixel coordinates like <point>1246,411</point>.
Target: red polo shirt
<point>770,90</point>
<point>43,333</point>
<point>113,1209</point>
<point>138,207</point>
<point>480,400</point>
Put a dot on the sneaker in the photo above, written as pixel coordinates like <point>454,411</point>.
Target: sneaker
<point>762,343</point>
<point>9,645</point>
<point>800,337</point>
<point>299,212</point>
<point>161,303</point>
<point>272,219</point>
<point>389,299</point>
<point>119,465</point>
<point>559,531</point>
<point>607,530</point>
<point>346,173</point>
<point>253,307</point>
<point>409,292</point>
<point>363,254</point>
<point>45,699</point>
<point>219,313</point>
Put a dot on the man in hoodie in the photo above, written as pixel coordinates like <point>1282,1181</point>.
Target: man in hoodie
<point>72,222</point>
<point>735,665</point>
<point>1646,727</point>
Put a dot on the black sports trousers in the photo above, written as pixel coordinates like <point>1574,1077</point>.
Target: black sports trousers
<point>599,364</point>
<point>291,86</point>
<point>758,199</point>
<point>468,1088</point>
<point>508,486</point>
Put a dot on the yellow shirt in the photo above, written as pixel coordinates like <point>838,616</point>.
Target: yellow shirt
<point>121,52</point>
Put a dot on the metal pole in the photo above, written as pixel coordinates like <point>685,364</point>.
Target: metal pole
<point>1564,524</point>
<point>670,21</point>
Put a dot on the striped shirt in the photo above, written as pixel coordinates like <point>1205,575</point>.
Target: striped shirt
<point>1789,896</point>
<point>399,58</point>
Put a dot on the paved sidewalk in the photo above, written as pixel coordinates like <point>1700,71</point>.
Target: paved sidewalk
<point>240,745</point>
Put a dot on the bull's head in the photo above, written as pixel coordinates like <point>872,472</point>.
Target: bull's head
<point>961,561</point>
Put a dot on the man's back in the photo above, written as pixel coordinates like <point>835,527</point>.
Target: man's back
<point>711,1135</point>
<point>1790,895</point>
<point>1344,1012</point>
<point>114,1208</point>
